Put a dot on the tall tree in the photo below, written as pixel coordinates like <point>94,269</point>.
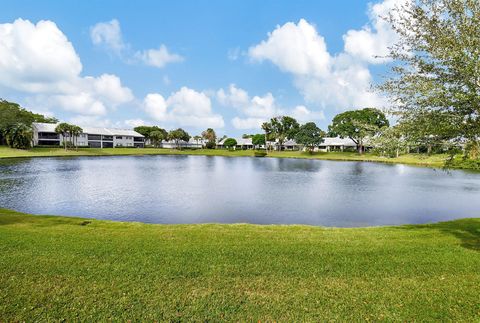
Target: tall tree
<point>74,132</point>
<point>209,135</point>
<point>284,128</point>
<point>64,130</point>
<point>436,75</point>
<point>358,125</point>
<point>197,138</point>
<point>157,136</point>
<point>178,135</point>
<point>267,128</point>
<point>258,140</point>
<point>310,136</point>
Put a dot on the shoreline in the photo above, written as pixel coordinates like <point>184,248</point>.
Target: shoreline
<point>4,211</point>
<point>433,161</point>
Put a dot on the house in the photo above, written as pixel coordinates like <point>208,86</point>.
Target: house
<point>44,135</point>
<point>192,143</point>
<point>337,144</point>
<point>242,144</point>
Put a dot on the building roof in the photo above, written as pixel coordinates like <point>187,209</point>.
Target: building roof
<point>50,127</point>
<point>337,141</point>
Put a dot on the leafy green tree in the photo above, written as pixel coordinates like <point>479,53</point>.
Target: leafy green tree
<point>258,140</point>
<point>146,131</point>
<point>310,136</point>
<point>178,135</point>
<point>436,70</point>
<point>230,143</point>
<point>12,114</point>
<point>157,136</point>
<point>284,128</point>
<point>358,125</point>
<point>390,141</point>
<point>19,136</point>
<point>211,137</point>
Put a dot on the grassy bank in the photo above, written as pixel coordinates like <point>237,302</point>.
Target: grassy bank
<point>59,268</point>
<point>412,159</point>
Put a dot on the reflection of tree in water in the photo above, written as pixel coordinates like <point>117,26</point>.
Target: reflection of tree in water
<point>294,165</point>
<point>357,169</point>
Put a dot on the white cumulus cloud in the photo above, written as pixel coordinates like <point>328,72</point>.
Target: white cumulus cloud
<point>342,81</point>
<point>258,109</point>
<point>38,61</point>
<point>185,107</point>
<point>158,57</point>
<point>108,34</point>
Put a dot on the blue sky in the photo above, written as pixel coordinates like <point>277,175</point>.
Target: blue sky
<point>192,64</point>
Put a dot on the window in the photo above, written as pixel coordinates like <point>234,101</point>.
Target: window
<point>48,135</point>
<point>118,137</point>
<point>109,138</point>
<point>94,137</point>
<point>138,139</point>
<point>95,144</point>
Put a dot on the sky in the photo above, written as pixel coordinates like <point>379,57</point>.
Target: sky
<point>229,65</point>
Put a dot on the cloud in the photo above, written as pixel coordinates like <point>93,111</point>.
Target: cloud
<point>294,48</point>
<point>38,62</point>
<point>158,57</point>
<point>36,58</point>
<point>132,123</point>
<point>342,81</point>
<point>302,114</point>
<point>372,42</point>
<point>258,109</point>
<point>247,123</point>
<point>109,35</point>
<point>185,107</point>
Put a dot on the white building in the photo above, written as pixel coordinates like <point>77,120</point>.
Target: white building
<point>329,144</point>
<point>337,143</point>
<point>44,135</point>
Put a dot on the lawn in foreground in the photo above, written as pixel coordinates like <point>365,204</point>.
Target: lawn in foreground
<point>54,268</point>
<point>413,159</point>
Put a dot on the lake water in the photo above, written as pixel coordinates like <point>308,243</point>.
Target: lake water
<point>198,189</point>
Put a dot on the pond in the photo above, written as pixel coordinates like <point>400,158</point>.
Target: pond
<point>201,189</point>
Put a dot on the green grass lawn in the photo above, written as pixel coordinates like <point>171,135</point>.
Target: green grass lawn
<point>60,268</point>
<point>413,159</point>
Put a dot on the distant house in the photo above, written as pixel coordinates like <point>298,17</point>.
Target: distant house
<point>44,135</point>
<point>329,144</point>
<point>242,144</point>
<point>337,144</point>
<point>192,143</point>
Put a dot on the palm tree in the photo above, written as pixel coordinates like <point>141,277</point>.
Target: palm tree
<point>75,131</point>
<point>197,138</point>
<point>63,129</point>
<point>267,127</point>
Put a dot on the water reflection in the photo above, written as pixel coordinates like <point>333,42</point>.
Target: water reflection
<point>198,189</point>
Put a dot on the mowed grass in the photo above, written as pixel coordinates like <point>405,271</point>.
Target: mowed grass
<point>413,159</point>
<point>60,268</point>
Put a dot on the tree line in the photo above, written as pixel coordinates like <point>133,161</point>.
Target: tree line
<point>16,124</point>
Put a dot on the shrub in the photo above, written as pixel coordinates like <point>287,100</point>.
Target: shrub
<point>210,145</point>
<point>260,153</point>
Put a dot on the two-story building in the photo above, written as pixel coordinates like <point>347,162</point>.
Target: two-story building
<point>44,135</point>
